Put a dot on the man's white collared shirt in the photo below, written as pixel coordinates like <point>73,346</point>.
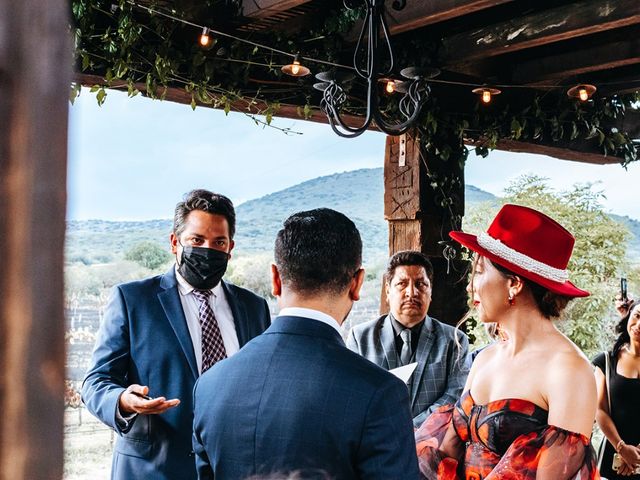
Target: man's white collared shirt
<point>312,314</point>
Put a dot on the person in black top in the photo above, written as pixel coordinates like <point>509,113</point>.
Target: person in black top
<point>621,423</point>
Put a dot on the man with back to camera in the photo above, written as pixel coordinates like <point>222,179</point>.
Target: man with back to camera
<point>159,334</point>
<point>295,398</point>
<point>407,334</point>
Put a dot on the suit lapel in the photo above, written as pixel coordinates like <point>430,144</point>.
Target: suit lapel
<point>425,343</point>
<point>238,312</point>
<point>388,343</point>
<point>170,300</point>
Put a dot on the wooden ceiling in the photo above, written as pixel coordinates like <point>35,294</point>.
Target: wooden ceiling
<point>505,41</point>
<point>546,45</point>
<point>540,44</point>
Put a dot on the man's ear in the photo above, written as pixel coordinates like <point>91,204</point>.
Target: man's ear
<point>276,282</point>
<point>231,245</point>
<point>356,285</point>
<point>174,243</point>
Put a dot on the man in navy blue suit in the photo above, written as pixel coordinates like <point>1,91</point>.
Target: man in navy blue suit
<point>295,398</point>
<point>159,334</point>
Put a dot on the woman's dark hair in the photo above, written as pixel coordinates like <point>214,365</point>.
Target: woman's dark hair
<point>550,303</point>
<point>621,329</point>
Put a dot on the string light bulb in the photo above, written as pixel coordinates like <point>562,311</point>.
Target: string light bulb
<point>582,92</point>
<point>204,37</point>
<point>206,41</point>
<point>295,68</point>
<point>486,93</point>
<point>390,87</point>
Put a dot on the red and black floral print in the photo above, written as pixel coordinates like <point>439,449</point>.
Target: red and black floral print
<point>506,439</point>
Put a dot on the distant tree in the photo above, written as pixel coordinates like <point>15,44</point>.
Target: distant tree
<point>252,271</point>
<point>148,254</point>
<point>598,258</point>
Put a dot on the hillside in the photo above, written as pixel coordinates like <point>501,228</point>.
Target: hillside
<point>358,194</point>
<point>634,227</point>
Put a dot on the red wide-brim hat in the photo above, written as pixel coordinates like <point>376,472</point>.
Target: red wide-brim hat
<point>530,244</point>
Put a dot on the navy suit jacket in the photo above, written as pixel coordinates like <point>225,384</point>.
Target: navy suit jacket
<point>144,339</point>
<point>296,398</point>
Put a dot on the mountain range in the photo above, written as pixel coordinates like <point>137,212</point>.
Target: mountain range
<point>359,194</point>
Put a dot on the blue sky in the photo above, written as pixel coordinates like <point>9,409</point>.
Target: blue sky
<point>133,159</point>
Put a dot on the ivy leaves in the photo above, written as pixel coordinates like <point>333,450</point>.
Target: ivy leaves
<point>135,48</point>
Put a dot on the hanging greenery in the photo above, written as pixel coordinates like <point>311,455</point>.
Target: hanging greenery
<point>137,48</point>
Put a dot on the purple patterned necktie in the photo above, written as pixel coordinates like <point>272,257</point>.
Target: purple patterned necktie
<point>212,344</point>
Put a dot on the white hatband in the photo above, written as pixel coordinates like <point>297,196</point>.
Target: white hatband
<point>521,260</point>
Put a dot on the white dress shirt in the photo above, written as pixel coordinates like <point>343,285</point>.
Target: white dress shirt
<point>313,314</point>
<point>221,310</point>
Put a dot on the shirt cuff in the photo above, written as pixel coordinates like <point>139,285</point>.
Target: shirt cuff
<point>124,422</point>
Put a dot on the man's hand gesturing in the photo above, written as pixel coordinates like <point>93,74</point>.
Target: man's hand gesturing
<point>135,400</point>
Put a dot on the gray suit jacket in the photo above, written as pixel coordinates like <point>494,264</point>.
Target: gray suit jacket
<point>442,366</point>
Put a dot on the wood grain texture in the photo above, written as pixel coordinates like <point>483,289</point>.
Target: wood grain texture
<point>266,8</point>
<point>34,80</point>
<point>542,28</point>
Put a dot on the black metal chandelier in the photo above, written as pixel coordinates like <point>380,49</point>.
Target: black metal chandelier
<point>414,87</point>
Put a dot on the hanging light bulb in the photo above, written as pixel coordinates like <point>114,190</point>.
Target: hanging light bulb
<point>295,68</point>
<point>584,95</point>
<point>205,39</point>
<point>582,92</point>
<point>486,93</point>
<point>391,87</point>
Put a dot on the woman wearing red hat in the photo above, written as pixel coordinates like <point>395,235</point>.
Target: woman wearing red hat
<point>529,402</point>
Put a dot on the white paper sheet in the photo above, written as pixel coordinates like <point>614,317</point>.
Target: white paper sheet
<point>404,373</point>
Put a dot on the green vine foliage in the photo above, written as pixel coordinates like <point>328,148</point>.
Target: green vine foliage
<point>137,50</point>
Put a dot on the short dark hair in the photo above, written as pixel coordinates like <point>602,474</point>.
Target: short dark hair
<point>408,258</point>
<point>205,201</point>
<point>318,251</point>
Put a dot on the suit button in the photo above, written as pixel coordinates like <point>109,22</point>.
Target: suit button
<point>192,453</point>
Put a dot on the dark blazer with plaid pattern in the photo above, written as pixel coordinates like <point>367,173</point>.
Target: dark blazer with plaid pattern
<point>442,367</point>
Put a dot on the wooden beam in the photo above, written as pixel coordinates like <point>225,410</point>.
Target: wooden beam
<point>585,152</point>
<point>542,28</point>
<point>265,8</point>
<point>418,14</point>
<point>602,57</point>
<point>417,220</point>
<point>560,151</point>
<point>35,76</point>
<point>179,95</point>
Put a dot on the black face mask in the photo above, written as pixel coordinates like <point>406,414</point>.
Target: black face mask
<point>202,267</point>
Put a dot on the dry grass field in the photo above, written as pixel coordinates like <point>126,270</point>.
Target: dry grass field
<point>87,446</point>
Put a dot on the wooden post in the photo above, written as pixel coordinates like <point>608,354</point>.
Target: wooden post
<point>420,217</point>
<point>35,64</point>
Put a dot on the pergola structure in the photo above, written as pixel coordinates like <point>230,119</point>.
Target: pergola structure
<point>532,51</point>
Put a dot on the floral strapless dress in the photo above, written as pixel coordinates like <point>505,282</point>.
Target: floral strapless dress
<point>506,439</point>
